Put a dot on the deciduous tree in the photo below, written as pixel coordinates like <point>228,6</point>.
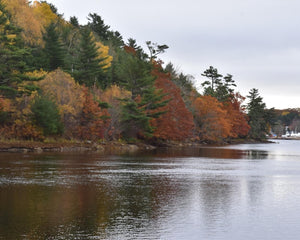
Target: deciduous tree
<point>24,17</point>
<point>177,121</point>
<point>93,119</point>
<point>237,116</point>
<point>212,124</point>
<point>68,95</point>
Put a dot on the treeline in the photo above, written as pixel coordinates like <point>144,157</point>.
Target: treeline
<point>286,121</point>
<point>62,79</point>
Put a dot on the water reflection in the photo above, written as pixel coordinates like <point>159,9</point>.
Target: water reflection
<point>208,193</point>
<point>213,152</point>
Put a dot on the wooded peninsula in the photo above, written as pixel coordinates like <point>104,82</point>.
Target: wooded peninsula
<point>62,81</point>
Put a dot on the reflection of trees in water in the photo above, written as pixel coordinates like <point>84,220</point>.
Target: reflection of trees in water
<point>209,152</point>
<point>255,154</point>
<point>99,203</point>
<point>216,198</point>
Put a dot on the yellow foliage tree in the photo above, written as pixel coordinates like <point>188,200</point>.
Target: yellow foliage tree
<point>67,94</point>
<point>43,13</point>
<point>113,96</point>
<point>103,54</point>
<point>24,17</point>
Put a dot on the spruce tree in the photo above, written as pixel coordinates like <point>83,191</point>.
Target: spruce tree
<point>257,115</point>
<point>89,67</point>
<point>145,101</point>
<point>12,55</point>
<point>45,114</point>
<point>98,26</point>
<point>55,53</point>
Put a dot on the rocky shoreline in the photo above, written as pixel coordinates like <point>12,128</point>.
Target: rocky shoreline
<point>105,147</point>
<point>39,147</point>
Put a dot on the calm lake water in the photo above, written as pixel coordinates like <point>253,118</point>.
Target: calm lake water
<point>233,192</point>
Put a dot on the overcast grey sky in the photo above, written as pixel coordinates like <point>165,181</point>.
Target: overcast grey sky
<point>257,41</point>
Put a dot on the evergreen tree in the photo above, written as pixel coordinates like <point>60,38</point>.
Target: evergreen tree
<point>98,26</point>
<point>74,21</point>
<point>12,55</point>
<point>46,116</point>
<point>218,86</point>
<point>215,80</point>
<point>257,115</point>
<point>89,67</point>
<point>155,49</point>
<point>115,39</point>
<point>135,75</point>
<point>54,49</point>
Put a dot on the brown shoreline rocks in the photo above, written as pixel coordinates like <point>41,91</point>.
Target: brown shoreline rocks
<point>39,147</point>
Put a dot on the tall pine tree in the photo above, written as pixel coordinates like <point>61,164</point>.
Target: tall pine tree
<point>257,115</point>
<point>12,55</point>
<point>89,66</point>
<point>54,49</point>
<point>138,111</point>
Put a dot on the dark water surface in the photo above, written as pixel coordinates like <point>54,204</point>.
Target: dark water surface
<point>234,192</point>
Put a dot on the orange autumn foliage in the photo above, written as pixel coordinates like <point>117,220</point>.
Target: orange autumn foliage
<point>177,122</point>
<point>93,120</point>
<point>130,50</point>
<point>212,122</point>
<point>237,116</point>
<point>113,96</point>
<point>4,104</point>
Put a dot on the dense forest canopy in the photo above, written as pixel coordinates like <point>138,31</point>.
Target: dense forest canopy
<point>62,79</point>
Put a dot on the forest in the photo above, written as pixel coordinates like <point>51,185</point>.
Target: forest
<point>60,79</point>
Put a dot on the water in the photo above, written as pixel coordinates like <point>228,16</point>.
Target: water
<point>233,192</point>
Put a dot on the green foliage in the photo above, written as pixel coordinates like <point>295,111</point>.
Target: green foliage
<point>289,117</point>
<point>115,39</point>
<point>257,113</point>
<point>45,115</point>
<point>74,21</point>
<point>12,55</point>
<point>54,49</point>
<point>88,69</point>
<point>139,103</point>
<point>135,76</point>
<point>218,86</point>
<point>155,49</point>
<point>4,117</point>
<point>134,119</point>
<point>97,25</point>
<point>184,82</point>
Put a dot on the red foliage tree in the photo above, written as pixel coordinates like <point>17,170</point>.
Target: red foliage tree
<point>237,116</point>
<point>93,119</point>
<point>177,123</point>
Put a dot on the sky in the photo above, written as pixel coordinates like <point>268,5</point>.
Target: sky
<point>257,41</point>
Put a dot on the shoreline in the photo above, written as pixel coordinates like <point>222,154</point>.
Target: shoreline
<point>107,147</point>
